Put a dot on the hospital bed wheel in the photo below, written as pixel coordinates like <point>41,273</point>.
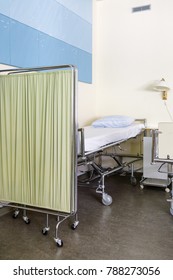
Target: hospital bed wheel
<point>171,211</point>
<point>59,243</point>
<point>141,187</point>
<point>167,190</point>
<point>106,199</point>
<point>74,225</point>
<point>133,181</point>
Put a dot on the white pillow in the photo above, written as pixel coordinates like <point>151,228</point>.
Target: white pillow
<point>113,121</point>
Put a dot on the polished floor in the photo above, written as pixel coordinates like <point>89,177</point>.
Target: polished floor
<point>137,226</point>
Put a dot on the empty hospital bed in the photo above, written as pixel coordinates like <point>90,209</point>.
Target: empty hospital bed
<point>38,145</point>
<point>95,143</point>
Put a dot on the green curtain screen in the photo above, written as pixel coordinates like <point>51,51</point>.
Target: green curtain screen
<point>36,140</point>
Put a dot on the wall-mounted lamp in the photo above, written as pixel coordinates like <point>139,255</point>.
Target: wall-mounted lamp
<point>162,87</point>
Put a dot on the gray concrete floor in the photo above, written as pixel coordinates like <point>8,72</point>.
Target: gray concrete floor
<point>137,226</point>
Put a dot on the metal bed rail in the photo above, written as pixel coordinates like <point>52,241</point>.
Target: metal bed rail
<point>81,135</point>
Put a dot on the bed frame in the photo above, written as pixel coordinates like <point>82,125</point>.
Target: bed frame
<point>50,181</point>
<point>93,160</point>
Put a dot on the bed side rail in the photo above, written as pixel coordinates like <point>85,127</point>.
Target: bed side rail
<point>154,134</point>
<point>144,121</point>
<point>155,148</point>
<point>81,142</point>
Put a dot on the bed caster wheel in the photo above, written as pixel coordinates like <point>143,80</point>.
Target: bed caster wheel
<point>106,199</point>
<point>133,181</point>
<point>59,242</point>
<point>141,187</point>
<point>167,190</point>
<point>171,211</point>
<point>74,225</point>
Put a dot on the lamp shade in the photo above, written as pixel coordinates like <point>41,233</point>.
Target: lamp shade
<point>161,86</point>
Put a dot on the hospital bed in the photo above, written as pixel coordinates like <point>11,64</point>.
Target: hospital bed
<point>162,152</point>
<point>96,143</point>
<point>38,144</point>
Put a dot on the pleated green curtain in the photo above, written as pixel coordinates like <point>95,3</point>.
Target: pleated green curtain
<point>37,140</point>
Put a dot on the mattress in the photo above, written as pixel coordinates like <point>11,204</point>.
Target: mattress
<point>96,138</point>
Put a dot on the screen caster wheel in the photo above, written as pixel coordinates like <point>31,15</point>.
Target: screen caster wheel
<point>59,242</point>
<point>15,214</point>
<point>26,220</point>
<point>45,231</point>
<point>74,225</point>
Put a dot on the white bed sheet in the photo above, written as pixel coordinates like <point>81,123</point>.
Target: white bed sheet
<point>95,138</point>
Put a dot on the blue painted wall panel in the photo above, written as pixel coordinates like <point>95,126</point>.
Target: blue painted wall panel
<point>24,45</point>
<point>53,19</point>
<point>55,52</point>
<point>82,8</point>
<point>47,32</point>
<point>30,47</point>
<point>5,7</point>
<point>5,39</point>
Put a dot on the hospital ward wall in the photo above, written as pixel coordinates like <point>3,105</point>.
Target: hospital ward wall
<point>134,51</point>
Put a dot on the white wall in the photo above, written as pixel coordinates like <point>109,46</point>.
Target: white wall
<point>86,104</point>
<point>133,51</point>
